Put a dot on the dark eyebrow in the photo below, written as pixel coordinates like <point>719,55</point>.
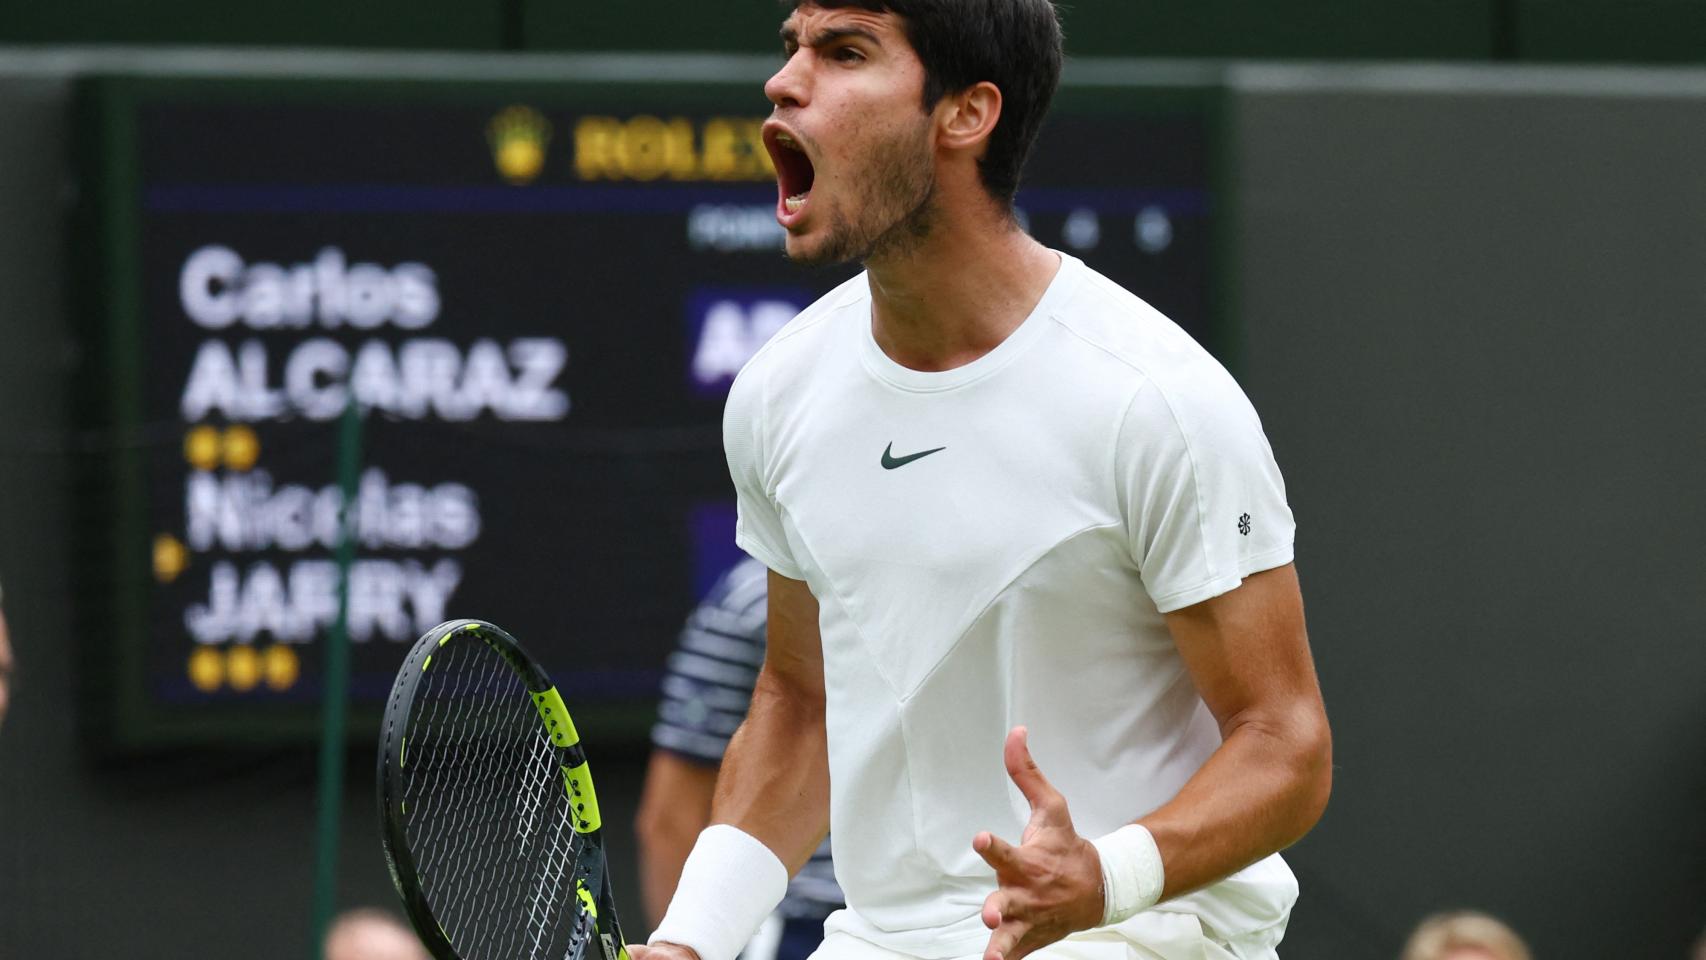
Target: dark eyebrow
<point>832,34</point>
<point>829,35</point>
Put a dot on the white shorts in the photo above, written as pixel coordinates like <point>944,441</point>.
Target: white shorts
<point>1167,936</point>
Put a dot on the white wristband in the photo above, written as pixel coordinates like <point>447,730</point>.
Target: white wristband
<point>1132,876</point>
<point>729,884</point>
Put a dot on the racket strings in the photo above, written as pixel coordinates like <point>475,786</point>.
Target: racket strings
<point>552,892</point>
<point>452,826</point>
<point>475,789</point>
<point>486,812</point>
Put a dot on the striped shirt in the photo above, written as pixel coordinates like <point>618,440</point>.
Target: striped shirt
<point>707,688</point>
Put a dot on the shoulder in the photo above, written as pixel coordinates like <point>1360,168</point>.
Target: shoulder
<point>1109,319</point>
<point>780,370</point>
<point>1171,377</point>
<point>790,353</point>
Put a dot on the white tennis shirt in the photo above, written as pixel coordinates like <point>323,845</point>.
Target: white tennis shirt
<point>995,545</point>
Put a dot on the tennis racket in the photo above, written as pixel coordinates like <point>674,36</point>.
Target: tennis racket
<point>490,823</point>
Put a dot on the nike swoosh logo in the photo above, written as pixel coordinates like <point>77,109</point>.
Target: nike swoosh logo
<point>890,461</point>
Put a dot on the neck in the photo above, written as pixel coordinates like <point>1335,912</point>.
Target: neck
<point>954,295</point>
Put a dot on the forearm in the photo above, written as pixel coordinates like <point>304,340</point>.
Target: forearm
<point>661,857</point>
<point>775,779</point>
<point>1261,791</point>
<point>771,805</point>
<point>674,806</point>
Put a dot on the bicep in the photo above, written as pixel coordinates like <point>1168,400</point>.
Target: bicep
<point>793,654</point>
<point>1248,652</point>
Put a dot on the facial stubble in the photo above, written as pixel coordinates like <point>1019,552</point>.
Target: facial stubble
<point>894,204</point>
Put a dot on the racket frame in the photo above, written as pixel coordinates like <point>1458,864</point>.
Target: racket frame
<point>592,886</point>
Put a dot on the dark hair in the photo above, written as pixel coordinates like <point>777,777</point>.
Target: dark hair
<point>1014,44</point>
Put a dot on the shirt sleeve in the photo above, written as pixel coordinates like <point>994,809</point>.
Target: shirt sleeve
<point>1204,501</point>
<point>758,526</point>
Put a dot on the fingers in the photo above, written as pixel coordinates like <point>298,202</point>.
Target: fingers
<point>996,852</point>
<point>662,951</point>
<point>1023,912</point>
<point>1002,942</point>
<point>992,907</point>
<point>1026,775</point>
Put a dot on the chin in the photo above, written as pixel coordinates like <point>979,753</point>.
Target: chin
<point>805,252</point>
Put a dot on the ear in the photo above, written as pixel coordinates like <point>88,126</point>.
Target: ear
<point>968,118</point>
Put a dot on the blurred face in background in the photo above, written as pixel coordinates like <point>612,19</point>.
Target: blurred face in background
<point>5,669</point>
<point>372,935</point>
<point>849,136</point>
<point>1464,935</point>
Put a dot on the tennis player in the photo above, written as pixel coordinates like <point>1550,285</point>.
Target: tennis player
<point>1036,644</point>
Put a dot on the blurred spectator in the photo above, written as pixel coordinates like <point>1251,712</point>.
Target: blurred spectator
<point>5,667</point>
<point>369,934</point>
<point>1464,935</point>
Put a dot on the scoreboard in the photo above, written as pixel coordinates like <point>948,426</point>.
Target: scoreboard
<point>535,295</point>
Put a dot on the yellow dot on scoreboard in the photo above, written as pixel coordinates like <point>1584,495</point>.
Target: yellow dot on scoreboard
<point>170,558</point>
<point>242,667</point>
<point>520,160</point>
<point>242,447</point>
<point>281,666</point>
<point>201,447</point>
<point>207,669</point>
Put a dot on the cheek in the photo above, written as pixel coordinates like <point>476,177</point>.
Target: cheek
<point>866,131</point>
<point>878,149</point>
<point>849,136</point>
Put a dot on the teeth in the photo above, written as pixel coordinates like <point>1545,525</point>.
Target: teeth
<point>787,141</point>
<point>795,203</point>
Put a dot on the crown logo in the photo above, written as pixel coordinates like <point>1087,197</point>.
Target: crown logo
<point>518,136</point>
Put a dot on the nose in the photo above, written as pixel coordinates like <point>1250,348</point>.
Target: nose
<point>787,88</point>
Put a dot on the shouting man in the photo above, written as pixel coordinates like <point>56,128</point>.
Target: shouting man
<point>1036,645</point>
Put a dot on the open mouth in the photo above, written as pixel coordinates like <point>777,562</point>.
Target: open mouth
<point>794,174</point>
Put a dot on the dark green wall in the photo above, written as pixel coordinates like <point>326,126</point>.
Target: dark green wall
<point>745,26</point>
<point>1653,31</point>
<point>1315,29</point>
<point>1451,29</point>
<point>1471,320</point>
<point>1631,31</point>
<point>407,24</point>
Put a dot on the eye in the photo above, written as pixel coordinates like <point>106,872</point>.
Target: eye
<point>846,55</point>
